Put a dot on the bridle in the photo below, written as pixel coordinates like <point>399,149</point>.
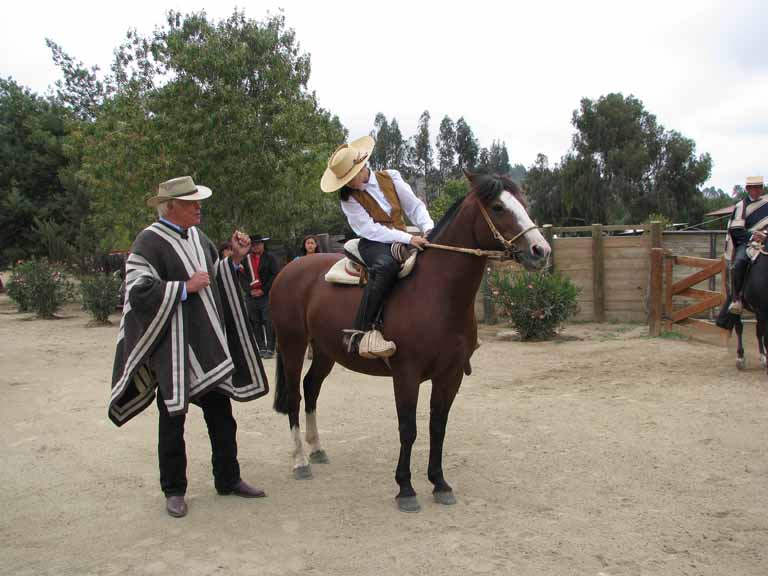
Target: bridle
<point>510,250</point>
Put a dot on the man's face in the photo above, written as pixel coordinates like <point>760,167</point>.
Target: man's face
<point>358,182</point>
<point>755,192</point>
<point>257,248</point>
<point>184,213</point>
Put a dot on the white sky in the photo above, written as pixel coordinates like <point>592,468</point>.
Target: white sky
<point>516,71</point>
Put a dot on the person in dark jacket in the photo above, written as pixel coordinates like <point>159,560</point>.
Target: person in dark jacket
<point>260,271</point>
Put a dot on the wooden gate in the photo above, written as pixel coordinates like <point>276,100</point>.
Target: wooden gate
<point>664,289</point>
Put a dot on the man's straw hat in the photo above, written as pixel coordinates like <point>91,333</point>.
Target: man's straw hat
<point>345,162</point>
<point>754,180</point>
<point>182,188</point>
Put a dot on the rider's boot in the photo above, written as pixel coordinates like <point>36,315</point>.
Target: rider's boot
<point>736,306</point>
<point>366,340</point>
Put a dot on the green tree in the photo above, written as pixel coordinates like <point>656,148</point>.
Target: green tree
<point>225,102</point>
<point>32,132</point>
<point>466,146</point>
<point>423,148</point>
<point>446,149</point>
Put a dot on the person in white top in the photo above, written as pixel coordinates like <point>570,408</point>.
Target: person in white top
<point>375,204</point>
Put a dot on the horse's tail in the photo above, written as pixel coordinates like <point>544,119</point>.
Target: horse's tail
<point>282,403</point>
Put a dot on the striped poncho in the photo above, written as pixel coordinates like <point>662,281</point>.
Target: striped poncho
<point>184,348</point>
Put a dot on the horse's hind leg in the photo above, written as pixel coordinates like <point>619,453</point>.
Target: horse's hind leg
<point>444,391</point>
<point>318,371</point>
<point>290,360</point>
<point>760,333</point>
<point>740,362</point>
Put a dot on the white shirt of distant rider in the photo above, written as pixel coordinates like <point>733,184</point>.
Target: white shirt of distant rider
<point>364,226</point>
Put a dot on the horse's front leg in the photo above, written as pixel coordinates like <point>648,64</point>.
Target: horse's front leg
<point>444,391</point>
<point>740,362</point>
<point>406,398</point>
<point>760,333</point>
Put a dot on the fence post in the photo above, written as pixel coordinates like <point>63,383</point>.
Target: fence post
<point>657,287</point>
<point>549,236</point>
<point>656,234</point>
<point>598,274</point>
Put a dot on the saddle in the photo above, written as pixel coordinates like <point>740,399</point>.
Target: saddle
<point>352,270</point>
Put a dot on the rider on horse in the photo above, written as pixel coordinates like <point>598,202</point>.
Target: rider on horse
<point>375,204</point>
<point>750,216</point>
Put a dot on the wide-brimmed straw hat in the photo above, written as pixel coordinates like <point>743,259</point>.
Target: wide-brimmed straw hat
<point>182,188</point>
<point>345,162</point>
<point>754,180</point>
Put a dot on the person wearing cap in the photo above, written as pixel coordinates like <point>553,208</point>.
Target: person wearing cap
<point>376,205</point>
<point>184,339</point>
<point>749,220</point>
<point>260,270</point>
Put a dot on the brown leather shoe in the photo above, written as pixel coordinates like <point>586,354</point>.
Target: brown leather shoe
<point>245,490</point>
<point>175,506</point>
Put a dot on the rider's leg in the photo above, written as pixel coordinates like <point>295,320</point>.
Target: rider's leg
<point>740,263</point>
<point>382,274</point>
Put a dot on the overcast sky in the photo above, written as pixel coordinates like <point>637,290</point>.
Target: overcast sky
<point>516,71</point>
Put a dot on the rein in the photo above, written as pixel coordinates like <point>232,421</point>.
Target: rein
<point>509,248</point>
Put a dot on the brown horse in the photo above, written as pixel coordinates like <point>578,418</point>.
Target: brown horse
<point>429,315</point>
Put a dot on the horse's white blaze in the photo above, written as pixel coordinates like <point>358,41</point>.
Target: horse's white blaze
<point>299,459</point>
<point>312,435</point>
<point>534,237</point>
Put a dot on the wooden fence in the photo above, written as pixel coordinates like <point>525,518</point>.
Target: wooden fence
<point>611,267</point>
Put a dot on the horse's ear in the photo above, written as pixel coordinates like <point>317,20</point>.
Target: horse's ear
<point>470,175</point>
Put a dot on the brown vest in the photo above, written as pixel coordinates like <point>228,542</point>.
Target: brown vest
<point>376,212</point>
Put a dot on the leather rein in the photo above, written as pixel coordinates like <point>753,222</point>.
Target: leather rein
<point>509,252</point>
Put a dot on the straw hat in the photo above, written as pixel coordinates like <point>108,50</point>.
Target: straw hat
<point>754,180</point>
<point>345,162</point>
<point>182,188</point>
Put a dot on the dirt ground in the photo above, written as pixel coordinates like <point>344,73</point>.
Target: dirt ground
<point>604,453</point>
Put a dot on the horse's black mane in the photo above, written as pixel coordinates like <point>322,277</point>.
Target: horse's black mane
<point>487,188</point>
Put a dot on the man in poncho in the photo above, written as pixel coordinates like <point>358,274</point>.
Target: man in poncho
<point>185,337</point>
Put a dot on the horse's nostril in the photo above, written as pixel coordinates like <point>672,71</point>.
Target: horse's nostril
<point>538,251</point>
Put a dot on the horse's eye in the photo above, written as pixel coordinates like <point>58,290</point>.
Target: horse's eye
<point>497,208</point>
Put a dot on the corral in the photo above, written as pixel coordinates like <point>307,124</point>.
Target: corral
<point>602,452</point>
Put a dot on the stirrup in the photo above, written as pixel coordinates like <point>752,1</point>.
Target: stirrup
<point>373,345</point>
<point>351,340</point>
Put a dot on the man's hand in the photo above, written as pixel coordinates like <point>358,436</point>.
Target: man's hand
<point>257,292</point>
<point>197,282</point>
<point>241,245</point>
<point>419,242</point>
<point>758,236</point>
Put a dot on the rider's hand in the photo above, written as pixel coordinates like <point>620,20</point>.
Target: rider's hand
<point>197,282</point>
<point>419,242</point>
<point>758,236</point>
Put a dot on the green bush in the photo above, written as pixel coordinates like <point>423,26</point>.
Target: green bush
<point>536,303</point>
<point>100,295</point>
<point>38,287</point>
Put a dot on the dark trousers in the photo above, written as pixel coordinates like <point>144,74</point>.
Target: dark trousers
<point>171,449</point>
<point>382,274</point>
<point>740,265</point>
<point>258,312</point>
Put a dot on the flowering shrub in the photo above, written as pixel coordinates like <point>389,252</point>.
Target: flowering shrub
<point>38,287</point>
<point>100,294</point>
<point>536,303</point>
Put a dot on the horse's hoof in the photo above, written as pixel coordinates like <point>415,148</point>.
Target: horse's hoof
<point>741,363</point>
<point>302,472</point>
<point>445,497</point>
<point>763,362</point>
<point>408,504</point>
<point>319,457</point>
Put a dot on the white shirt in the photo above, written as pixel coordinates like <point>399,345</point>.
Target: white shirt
<point>364,226</point>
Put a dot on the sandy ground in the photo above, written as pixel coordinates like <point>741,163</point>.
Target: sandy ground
<point>602,453</point>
